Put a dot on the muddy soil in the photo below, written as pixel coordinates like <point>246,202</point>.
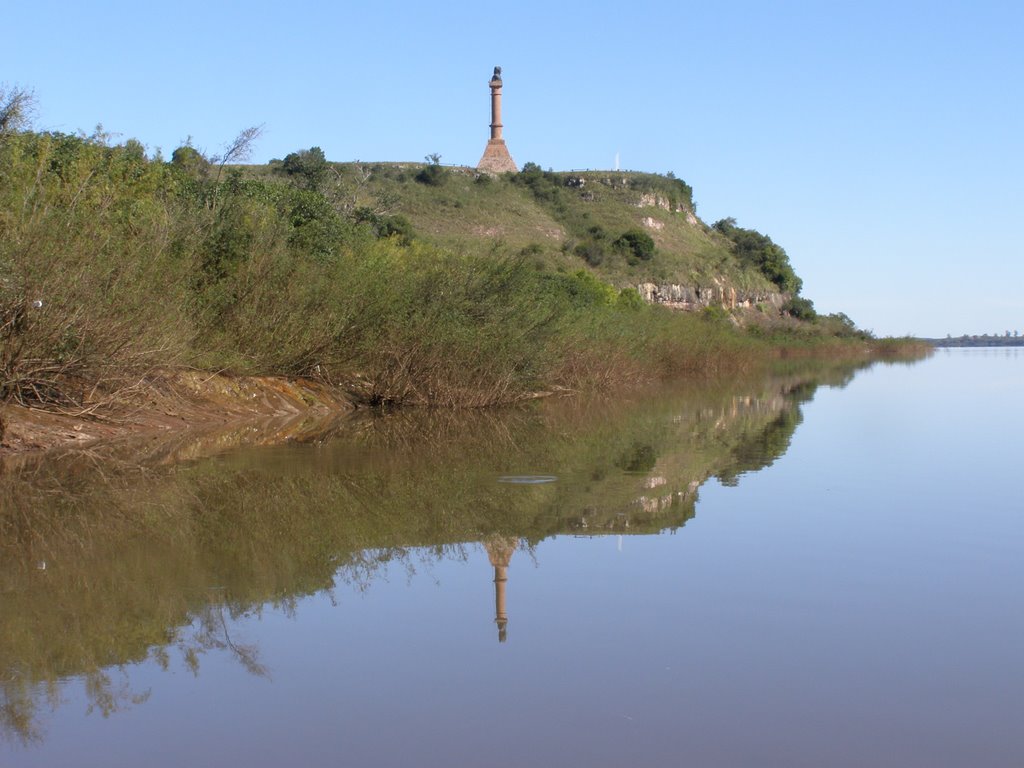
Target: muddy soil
<point>169,402</point>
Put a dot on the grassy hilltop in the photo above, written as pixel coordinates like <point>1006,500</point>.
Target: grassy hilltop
<point>398,283</point>
<point>563,220</point>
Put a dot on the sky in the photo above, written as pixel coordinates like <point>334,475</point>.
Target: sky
<point>879,143</point>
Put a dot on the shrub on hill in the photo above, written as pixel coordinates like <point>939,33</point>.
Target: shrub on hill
<point>636,245</point>
<point>307,168</point>
<point>800,308</point>
<point>188,160</point>
<point>432,174</point>
<point>755,249</point>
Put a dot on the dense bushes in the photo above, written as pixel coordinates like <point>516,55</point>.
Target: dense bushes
<point>800,308</point>
<point>89,248</point>
<point>432,174</point>
<point>759,251</point>
<point>546,186</point>
<point>113,264</point>
<point>636,245</point>
<point>308,167</point>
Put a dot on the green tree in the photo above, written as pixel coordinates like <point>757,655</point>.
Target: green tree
<point>636,245</point>
<point>432,174</point>
<point>800,308</point>
<point>757,250</point>
<point>189,160</point>
<point>308,168</point>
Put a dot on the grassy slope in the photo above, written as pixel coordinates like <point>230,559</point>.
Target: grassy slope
<point>497,216</point>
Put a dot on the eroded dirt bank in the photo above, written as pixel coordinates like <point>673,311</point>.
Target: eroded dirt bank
<point>176,401</point>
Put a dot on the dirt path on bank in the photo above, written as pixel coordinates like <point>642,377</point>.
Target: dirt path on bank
<point>170,402</point>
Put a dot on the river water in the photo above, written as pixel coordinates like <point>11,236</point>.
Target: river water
<point>816,569</point>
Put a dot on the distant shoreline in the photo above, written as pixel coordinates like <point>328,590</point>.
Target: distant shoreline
<point>978,341</point>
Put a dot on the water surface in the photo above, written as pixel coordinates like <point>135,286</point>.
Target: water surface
<point>803,571</point>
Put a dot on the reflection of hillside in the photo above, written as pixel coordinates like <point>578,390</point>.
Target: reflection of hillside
<point>104,562</point>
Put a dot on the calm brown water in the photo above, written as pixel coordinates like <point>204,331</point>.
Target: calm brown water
<point>798,572</point>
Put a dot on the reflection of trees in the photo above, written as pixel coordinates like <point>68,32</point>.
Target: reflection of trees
<point>21,701</point>
<point>212,633</point>
<point>158,561</point>
<point>763,446</point>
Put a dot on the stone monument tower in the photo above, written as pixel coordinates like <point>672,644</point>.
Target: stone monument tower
<point>496,158</point>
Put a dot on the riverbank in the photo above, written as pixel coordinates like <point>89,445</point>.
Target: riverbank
<point>122,277</point>
<point>171,401</point>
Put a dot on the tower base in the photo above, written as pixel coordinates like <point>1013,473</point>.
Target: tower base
<point>496,158</point>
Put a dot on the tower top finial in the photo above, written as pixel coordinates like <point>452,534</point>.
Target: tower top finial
<point>497,75</point>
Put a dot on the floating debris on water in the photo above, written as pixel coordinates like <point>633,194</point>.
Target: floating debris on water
<point>527,479</point>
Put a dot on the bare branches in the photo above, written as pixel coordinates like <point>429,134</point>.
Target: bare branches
<point>241,148</point>
<point>17,105</point>
<point>238,150</point>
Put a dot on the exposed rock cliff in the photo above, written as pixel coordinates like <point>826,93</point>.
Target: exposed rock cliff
<point>720,295</point>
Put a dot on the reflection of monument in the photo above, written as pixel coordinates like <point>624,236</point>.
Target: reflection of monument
<point>500,551</point>
<point>496,158</point>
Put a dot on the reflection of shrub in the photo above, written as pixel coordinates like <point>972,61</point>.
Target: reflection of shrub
<point>639,458</point>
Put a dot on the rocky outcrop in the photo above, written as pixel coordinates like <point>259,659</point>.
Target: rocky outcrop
<point>648,200</point>
<point>717,295</point>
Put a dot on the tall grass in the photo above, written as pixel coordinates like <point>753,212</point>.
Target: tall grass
<point>113,266</point>
<point>90,291</point>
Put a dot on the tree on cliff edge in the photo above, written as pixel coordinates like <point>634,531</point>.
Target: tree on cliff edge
<point>757,250</point>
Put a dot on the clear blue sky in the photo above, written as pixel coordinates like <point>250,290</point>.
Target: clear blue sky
<point>880,143</point>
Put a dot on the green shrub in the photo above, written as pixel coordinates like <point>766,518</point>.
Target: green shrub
<point>715,314</point>
<point>188,160</point>
<point>544,185</point>
<point>636,245</point>
<point>592,252</point>
<point>754,249</point>
<point>307,168</point>
<point>630,298</point>
<point>432,174</point>
<point>800,308</point>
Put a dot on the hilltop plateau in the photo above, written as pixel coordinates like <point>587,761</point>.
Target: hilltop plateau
<point>630,229</point>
